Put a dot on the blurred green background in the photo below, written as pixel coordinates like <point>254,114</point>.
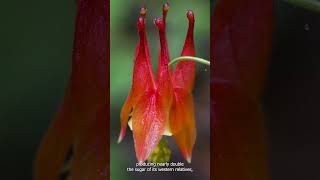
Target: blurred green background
<point>124,37</point>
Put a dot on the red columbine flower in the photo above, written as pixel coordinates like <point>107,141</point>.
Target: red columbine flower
<point>80,125</point>
<point>164,106</point>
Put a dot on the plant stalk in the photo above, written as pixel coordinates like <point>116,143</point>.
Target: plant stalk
<point>196,59</point>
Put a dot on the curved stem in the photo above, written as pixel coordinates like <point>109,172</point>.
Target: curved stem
<point>196,59</point>
<point>313,5</point>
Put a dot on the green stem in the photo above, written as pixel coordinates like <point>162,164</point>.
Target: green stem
<point>313,5</point>
<point>196,59</point>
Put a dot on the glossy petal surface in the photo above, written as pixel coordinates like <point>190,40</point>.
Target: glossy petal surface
<point>184,74</point>
<point>182,118</point>
<point>142,77</point>
<point>148,120</point>
<point>182,122</point>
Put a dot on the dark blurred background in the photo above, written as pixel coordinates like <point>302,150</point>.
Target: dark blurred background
<point>36,38</point>
<point>292,95</point>
<point>35,55</point>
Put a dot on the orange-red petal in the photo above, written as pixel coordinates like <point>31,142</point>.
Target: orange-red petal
<point>164,82</point>
<point>148,118</point>
<point>151,112</point>
<point>184,74</point>
<point>142,72</point>
<point>142,76</point>
<point>86,93</point>
<point>124,115</point>
<point>55,144</point>
<point>182,122</point>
